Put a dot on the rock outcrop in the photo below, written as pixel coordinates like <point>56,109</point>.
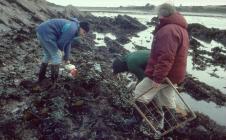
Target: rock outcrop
<point>94,105</point>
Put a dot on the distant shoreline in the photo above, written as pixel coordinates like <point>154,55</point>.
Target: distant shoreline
<point>220,15</point>
<point>204,11</point>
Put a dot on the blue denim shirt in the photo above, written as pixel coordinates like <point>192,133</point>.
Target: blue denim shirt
<point>62,31</point>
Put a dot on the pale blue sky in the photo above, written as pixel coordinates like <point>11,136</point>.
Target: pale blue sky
<point>116,3</point>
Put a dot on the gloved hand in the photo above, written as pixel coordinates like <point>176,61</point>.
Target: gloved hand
<point>72,71</point>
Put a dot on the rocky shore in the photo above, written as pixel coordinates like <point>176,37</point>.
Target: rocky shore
<point>92,106</point>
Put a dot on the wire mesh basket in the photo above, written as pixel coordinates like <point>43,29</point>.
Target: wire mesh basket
<point>153,114</point>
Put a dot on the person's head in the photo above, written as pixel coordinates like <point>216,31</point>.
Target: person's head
<point>119,65</point>
<point>165,10</point>
<point>84,28</point>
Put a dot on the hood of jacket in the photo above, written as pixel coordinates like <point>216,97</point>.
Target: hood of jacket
<point>175,18</point>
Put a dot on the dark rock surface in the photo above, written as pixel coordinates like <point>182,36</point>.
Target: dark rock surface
<point>94,105</point>
<point>114,46</point>
<point>154,21</point>
<point>138,47</point>
<point>217,55</point>
<point>201,91</point>
<point>122,25</point>
<point>201,128</point>
<point>207,34</point>
<point>123,39</point>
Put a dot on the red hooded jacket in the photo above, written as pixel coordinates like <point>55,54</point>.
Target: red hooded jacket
<point>169,50</point>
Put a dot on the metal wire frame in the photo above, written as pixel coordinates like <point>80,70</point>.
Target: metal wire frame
<point>156,107</point>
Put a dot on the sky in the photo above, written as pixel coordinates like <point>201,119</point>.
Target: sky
<point>117,3</point>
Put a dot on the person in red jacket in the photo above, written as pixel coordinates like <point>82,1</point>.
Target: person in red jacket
<point>168,59</point>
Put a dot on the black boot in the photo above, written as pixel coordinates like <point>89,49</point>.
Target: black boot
<point>42,72</point>
<point>170,118</point>
<point>54,73</point>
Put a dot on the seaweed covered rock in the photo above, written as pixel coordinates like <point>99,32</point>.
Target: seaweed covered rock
<point>123,39</point>
<point>94,105</point>
<point>200,90</point>
<point>114,46</point>
<point>122,25</point>
<point>129,23</point>
<point>201,128</point>
<point>154,21</point>
<point>207,34</point>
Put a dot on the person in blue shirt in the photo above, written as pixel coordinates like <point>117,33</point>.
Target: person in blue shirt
<point>55,37</point>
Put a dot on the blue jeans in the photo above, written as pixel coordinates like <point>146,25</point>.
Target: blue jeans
<point>51,53</point>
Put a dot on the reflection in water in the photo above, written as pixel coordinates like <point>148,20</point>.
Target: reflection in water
<point>215,112</point>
